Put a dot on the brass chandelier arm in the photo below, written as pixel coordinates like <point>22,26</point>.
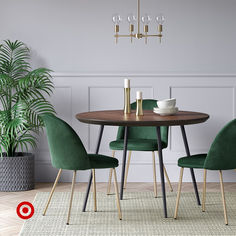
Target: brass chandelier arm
<point>153,35</point>
<point>124,35</point>
<point>137,36</point>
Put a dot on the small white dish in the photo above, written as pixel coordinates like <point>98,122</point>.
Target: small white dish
<point>165,111</point>
<point>166,103</point>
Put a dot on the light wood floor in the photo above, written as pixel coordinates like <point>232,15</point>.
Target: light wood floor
<point>10,223</point>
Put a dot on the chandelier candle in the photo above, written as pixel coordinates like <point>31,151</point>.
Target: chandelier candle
<point>139,104</point>
<point>127,108</point>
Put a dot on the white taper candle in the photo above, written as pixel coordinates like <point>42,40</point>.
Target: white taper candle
<point>126,83</point>
<point>139,95</point>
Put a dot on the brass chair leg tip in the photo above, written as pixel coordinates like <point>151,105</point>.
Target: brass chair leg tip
<point>120,218</point>
<point>226,224</point>
<point>67,223</point>
<point>175,218</point>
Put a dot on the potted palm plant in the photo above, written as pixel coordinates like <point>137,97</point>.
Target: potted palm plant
<point>23,98</point>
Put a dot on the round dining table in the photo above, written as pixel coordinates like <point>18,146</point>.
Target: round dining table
<point>149,118</point>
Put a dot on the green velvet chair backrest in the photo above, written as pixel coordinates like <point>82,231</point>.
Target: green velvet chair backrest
<point>222,153</point>
<point>66,149</point>
<point>144,132</point>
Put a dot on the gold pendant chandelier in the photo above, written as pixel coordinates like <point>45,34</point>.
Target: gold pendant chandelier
<point>132,20</point>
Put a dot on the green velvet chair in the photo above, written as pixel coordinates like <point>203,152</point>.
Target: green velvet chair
<point>68,153</point>
<point>141,139</point>
<point>221,156</point>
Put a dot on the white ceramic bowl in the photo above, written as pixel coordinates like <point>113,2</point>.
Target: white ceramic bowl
<point>167,103</point>
<point>165,111</point>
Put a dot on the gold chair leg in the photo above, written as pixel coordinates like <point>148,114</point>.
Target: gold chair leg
<point>154,174</point>
<point>127,169</point>
<point>52,191</point>
<point>168,180</point>
<point>94,191</point>
<point>204,191</point>
<point>117,194</point>
<point>223,198</point>
<point>167,177</point>
<point>110,176</point>
<point>179,191</point>
<point>71,196</point>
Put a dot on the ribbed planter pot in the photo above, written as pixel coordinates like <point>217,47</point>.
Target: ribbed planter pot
<point>17,173</point>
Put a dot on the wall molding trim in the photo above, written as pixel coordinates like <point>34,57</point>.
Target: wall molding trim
<point>119,74</point>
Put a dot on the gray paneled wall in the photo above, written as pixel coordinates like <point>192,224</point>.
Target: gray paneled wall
<point>76,93</point>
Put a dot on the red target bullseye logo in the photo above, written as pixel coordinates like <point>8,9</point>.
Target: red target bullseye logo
<point>25,210</point>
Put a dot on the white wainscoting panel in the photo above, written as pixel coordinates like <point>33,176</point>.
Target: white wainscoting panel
<point>75,93</point>
<point>218,102</point>
<point>61,101</point>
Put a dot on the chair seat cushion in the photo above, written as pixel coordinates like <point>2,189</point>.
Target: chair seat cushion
<point>100,161</point>
<point>137,145</point>
<point>194,161</point>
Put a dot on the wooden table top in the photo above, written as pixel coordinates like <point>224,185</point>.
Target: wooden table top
<point>117,118</point>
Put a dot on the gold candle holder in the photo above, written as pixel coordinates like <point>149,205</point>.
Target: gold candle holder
<point>117,28</point>
<point>131,28</point>
<point>145,28</point>
<point>160,28</point>
<point>127,107</point>
<point>139,107</point>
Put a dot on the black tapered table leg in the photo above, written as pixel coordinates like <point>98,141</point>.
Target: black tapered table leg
<point>191,169</point>
<point>124,163</point>
<point>91,176</point>
<point>161,170</point>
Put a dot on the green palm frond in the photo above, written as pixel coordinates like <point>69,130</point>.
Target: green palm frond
<point>23,98</point>
<point>36,84</point>
<point>6,83</point>
<point>5,118</point>
<point>18,122</point>
<point>25,140</point>
<point>14,121</point>
<point>4,143</point>
<point>36,108</point>
<point>13,58</point>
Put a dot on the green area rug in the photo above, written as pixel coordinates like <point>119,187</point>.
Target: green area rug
<point>142,215</point>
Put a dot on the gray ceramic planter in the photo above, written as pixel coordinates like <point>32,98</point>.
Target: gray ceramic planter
<point>17,173</point>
